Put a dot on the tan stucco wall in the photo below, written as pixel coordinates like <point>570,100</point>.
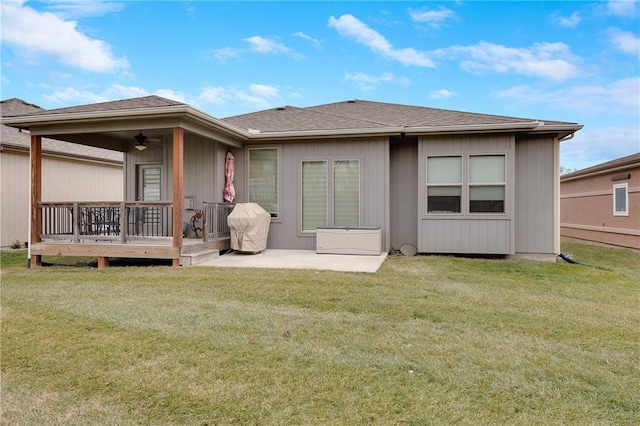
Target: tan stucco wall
<point>587,209</point>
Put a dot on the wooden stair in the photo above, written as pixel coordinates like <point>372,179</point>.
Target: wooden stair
<point>195,254</point>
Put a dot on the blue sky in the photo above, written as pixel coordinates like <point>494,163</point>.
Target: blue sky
<point>568,61</point>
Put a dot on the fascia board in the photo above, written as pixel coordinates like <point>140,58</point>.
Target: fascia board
<point>395,131</point>
<point>170,116</point>
<point>78,117</point>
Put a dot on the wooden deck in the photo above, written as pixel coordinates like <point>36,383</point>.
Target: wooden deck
<point>125,230</point>
<point>147,249</point>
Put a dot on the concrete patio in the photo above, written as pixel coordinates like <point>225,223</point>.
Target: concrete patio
<point>299,259</point>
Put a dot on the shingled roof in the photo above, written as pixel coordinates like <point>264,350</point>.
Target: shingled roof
<point>17,139</point>
<point>632,160</point>
<point>152,101</point>
<point>360,114</point>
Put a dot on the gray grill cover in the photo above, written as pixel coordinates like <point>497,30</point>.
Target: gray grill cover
<point>249,227</point>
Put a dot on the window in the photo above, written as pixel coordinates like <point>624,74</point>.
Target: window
<point>346,189</point>
<point>487,181</point>
<point>482,187</point>
<point>620,200</point>
<point>444,184</point>
<point>149,189</point>
<point>314,194</point>
<point>263,178</point>
<point>338,193</point>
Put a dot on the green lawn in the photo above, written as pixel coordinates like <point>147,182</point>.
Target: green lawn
<point>426,340</point>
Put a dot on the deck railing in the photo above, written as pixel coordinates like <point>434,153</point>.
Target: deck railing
<point>215,220</point>
<point>106,221</point>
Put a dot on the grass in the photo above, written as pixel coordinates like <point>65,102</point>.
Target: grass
<point>426,340</point>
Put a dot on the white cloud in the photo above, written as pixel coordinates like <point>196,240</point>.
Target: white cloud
<point>622,8</point>
<point>255,96</point>
<point>226,53</point>
<point>625,41</point>
<point>304,36</point>
<point>615,98</point>
<point>171,94</point>
<point>433,17</point>
<point>442,94</point>
<point>68,9</point>
<point>214,95</point>
<point>35,33</point>
<point>73,96</point>
<point>351,27</point>
<point>369,82</point>
<point>263,45</point>
<point>547,60</point>
<point>569,22</point>
<point>592,146</point>
<point>264,90</point>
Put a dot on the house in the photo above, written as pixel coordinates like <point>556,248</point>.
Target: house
<point>441,181</point>
<point>96,173</point>
<point>602,203</point>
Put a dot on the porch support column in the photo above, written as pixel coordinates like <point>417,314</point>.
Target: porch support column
<point>36,197</point>
<point>178,189</point>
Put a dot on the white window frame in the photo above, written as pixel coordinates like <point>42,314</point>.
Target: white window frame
<point>278,162</point>
<point>503,184</point>
<point>465,197</point>
<point>330,191</point>
<point>326,189</point>
<point>460,184</point>
<point>625,212</point>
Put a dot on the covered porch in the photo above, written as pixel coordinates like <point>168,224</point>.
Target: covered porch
<point>160,139</point>
<point>126,230</point>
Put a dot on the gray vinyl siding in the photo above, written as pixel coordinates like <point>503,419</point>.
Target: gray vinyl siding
<point>466,233</point>
<point>156,153</point>
<point>535,195</point>
<point>373,155</point>
<point>403,209</point>
<point>204,164</point>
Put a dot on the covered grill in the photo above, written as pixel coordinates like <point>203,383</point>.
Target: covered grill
<point>249,227</point>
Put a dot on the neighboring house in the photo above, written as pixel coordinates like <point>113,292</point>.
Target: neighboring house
<point>442,181</point>
<point>602,203</point>
<point>69,172</point>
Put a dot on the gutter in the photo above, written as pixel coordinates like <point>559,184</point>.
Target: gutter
<point>257,135</point>
<point>185,111</point>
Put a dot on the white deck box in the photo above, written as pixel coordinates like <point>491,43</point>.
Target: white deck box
<point>347,240</point>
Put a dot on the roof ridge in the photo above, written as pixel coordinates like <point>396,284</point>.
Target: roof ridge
<point>114,105</point>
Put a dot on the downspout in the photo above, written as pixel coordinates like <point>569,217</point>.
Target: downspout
<point>567,138</point>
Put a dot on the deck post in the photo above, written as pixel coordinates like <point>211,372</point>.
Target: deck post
<point>103,262</point>
<point>76,223</point>
<point>205,223</point>
<point>178,189</point>
<point>36,196</point>
<point>124,214</point>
